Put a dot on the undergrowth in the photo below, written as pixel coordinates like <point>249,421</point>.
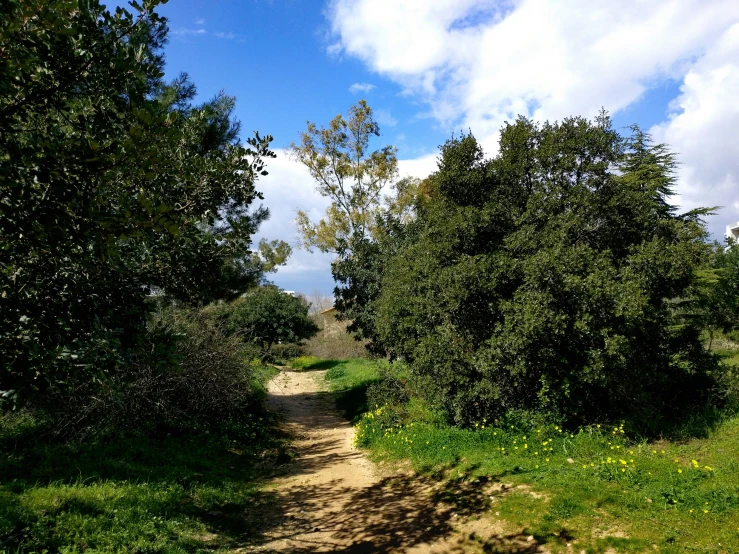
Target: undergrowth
<point>179,492</point>
<point>350,379</point>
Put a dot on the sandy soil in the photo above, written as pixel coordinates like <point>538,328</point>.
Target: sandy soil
<point>333,499</point>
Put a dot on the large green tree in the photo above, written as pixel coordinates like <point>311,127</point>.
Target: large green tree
<point>113,183</point>
<point>267,315</point>
<point>718,291</point>
<point>545,278</point>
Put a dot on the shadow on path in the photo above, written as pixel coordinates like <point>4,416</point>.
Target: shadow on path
<point>400,513</point>
<point>331,498</point>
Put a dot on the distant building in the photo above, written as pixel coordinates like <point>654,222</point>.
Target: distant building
<point>732,231</point>
<point>327,321</point>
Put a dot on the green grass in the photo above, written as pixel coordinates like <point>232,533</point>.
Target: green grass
<point>595,485</point>
<point>304,362</point>
<point>117,494</point>
<point>349,380</point>
<point>262,375</point>
<point>726,349</point>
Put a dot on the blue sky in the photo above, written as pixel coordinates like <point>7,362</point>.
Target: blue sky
<point>272,56</point>
<point>430,68</point>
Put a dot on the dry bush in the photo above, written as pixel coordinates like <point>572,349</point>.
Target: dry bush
<point>333,342</point>
<point>189,376</point>
<point>319,302</point>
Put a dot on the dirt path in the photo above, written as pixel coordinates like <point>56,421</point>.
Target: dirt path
<point>333,499</point>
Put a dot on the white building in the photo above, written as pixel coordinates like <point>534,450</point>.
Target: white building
<point>732,231</point>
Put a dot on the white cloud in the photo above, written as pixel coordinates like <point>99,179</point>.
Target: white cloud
<point>703,125</point>
<point>419,167</point>
<point>226,36</point>
<point>288,187</point>
<point>200,21</point>
<point>385,118</point>
<point>478,63</point>
<point>183,31</point>
<point>364,88</point>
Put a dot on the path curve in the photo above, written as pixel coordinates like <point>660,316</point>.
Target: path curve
<point>333,499</point>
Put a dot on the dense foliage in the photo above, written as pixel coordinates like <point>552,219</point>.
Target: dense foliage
<point>719,291</point>
<point>546,279</point>
<point>188,375</point>
<point>113,184</point>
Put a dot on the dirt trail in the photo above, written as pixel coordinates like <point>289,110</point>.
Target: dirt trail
<point>333,499</point>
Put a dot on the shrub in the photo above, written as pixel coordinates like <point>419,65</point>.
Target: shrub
<point>188,375</point>
<point>266,316</point>
<point>282,352</point>
<point>392,388</point>
<point>334,373</point>
<point>336,344</point>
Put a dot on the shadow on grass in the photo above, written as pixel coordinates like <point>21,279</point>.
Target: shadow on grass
<point>186,493</point>
<point>352,402</point>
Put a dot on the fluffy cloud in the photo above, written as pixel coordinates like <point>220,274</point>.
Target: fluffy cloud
<point>478,63</point>
<point>703,125</point>
<point>287,187</point>
<point>419,167</point>
<point>364,88</point>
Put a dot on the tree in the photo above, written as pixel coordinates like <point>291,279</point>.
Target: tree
<point>544,279</point>
<point>267,315</point>
<point>718,291</point>
<point>319,302</point>
<point>346,172</point>
<point>113,184</point>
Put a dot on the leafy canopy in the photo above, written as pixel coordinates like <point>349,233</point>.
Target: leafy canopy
<point>718,290</point>
<point>268,315</point>
<point>543,279</point>
<point>112,184</point>
<point>345,171</point>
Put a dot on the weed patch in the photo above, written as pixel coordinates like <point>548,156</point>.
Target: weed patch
<point>304,362</point>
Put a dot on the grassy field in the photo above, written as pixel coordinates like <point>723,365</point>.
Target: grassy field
<point>116,494</point>
<point>596,486</point>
